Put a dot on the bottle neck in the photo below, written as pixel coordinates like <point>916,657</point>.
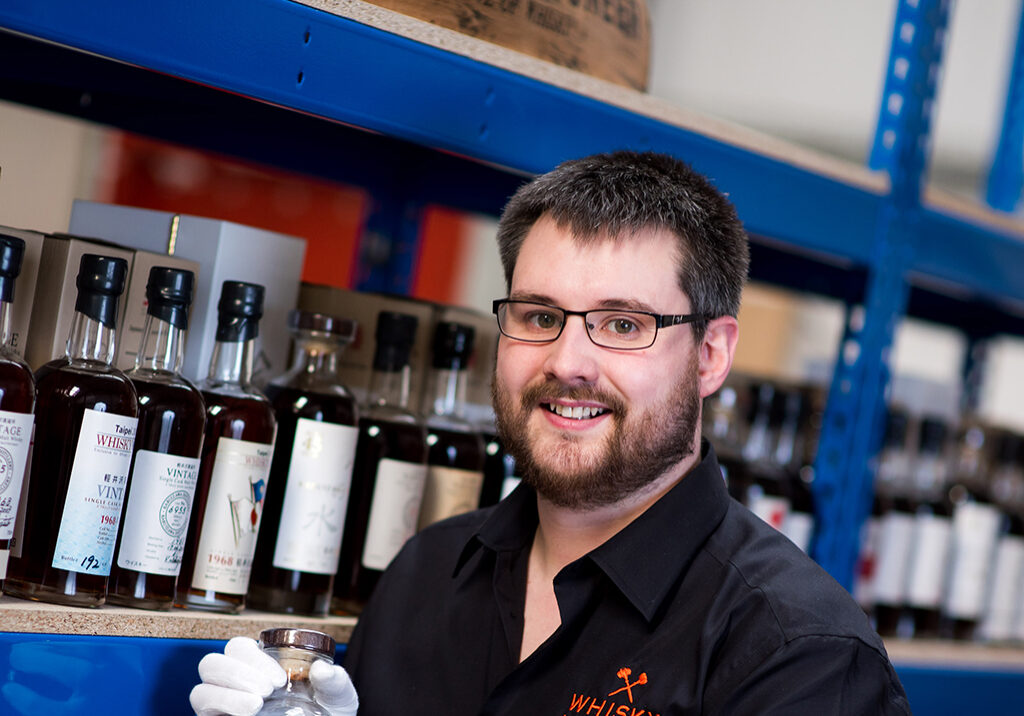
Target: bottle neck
<point>162,347</point>
<point>315,357</point>
<point>232,362</point>
<point>390,388</point>
<point>6,323</point>
<point>90,340</point>
<point>447,397</point>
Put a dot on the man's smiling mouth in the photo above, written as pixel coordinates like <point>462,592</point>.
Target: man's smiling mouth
<point>578,412</point>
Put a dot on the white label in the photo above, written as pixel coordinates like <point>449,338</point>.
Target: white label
<point>397,496</point>
<point>234,507</point>
<point>772,510</point>
<point>15,438</point>
<point>92,507</point>
<point>928,561</point>
<point>867,563</point>
<point>19,523</point>
<point>798,527</point>
<point>975,528</point>
<point>316,497</point>
<point>508,485</point>
<point>998,624</point>
<point>449,492</point>
<point>897,529</point>
<point>156,519</point>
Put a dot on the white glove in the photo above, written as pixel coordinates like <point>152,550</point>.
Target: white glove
<point>236,682</point>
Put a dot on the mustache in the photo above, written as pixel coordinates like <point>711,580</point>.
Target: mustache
<point>551,390</point>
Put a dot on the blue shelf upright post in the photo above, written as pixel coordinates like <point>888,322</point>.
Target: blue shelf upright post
<point>1006,176</point>
<point>853,416</point>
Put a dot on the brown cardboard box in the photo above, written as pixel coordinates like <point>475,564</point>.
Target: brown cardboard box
<point>25,286</point>
<point>54,306</point>
<point>609,39</point>
<point>133,307</point>
<point>357,360</point>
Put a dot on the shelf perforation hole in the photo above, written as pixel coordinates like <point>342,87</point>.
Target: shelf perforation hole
<point>305,37</point>
<point>300,78</point>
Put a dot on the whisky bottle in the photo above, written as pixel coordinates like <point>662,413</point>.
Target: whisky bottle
<point>766,492</point>
<point>455,450</point>
<point>165,467</point>
<point>17,400</point>
<point>390,470</point>
<point>85,433</point>
<point>304,514</point>
<point>235,463</point>
<point>296,650</point>
<point>500,477</point>
<point>933,529</point>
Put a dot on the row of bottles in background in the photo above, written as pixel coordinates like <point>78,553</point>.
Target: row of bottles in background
<point>943,552</point>
<point>186,476</point>
<point>765,436</point>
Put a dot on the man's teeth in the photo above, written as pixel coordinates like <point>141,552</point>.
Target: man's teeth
<point>576,413</point>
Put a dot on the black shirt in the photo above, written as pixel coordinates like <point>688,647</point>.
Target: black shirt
<point>696,607</point>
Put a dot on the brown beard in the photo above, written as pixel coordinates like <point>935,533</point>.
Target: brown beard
<point>633,455</point>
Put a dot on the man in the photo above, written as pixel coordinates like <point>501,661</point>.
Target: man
<point>619,579</point>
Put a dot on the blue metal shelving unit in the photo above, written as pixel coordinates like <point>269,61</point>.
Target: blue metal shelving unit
<point>280,82</point>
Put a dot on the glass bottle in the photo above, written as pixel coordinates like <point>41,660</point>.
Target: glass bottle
<point>1000,620</point>
<point>235,463</point>
<point>85,433</point>
<point>17,401</point>
<point>296,650</point>
<point>766,494</point>
<point>892,520</point>
<point>722,425</point>
<point>304,514</point>
<point>975,531</point>
<point>788,457</point>
<point>456,451</point>
<point>389,473</point>
<point>500,477</point>
<point>172,417</point>
<point>933,527</point>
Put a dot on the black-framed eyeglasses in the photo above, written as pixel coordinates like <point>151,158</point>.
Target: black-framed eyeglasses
<point>615,328</point>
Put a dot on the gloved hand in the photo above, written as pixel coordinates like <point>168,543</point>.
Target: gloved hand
<point>236,682</point>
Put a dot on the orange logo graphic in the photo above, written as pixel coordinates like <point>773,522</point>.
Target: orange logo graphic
<point>624,674</point>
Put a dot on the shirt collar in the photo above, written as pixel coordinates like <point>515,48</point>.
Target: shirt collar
<point>647,556</point>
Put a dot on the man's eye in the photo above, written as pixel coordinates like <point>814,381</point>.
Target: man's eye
<point>621,326</point>
<point>544,321</point>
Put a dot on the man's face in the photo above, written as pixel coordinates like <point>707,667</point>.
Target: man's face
<point>644,405</point>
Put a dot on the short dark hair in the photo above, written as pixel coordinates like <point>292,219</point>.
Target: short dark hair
<point>621,193</point>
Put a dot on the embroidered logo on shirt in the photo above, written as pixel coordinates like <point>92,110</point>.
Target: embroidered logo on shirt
<point>607,706</point>
<point>624,674</point>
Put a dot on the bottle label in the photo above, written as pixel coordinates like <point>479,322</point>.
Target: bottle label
<point>897,530</point>
<point>998,624</point>
<point>15,437</point>
<point>316,497</point>
<point>19,522</point>
<point>928,560</point>
<point>975,528</point>
<point>449,491</point>
<point>92,507</point>
<point>770,508</point>
<point>156,519</point>
<point>234,507</point>
<point>799,526</point>
<point>397,496</point>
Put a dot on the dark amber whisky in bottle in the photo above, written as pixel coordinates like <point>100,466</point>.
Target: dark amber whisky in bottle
<point>304,514</point>
<point>235,464</point>
<point>455,457</point>
<point>390,470</point>
<point>17,401</point>
<point>85,434</point>
<point>165,467</point>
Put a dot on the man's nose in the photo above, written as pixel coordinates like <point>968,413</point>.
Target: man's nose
<point>573,357</point>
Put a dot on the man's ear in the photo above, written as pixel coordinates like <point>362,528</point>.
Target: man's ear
<point>716,353</point>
